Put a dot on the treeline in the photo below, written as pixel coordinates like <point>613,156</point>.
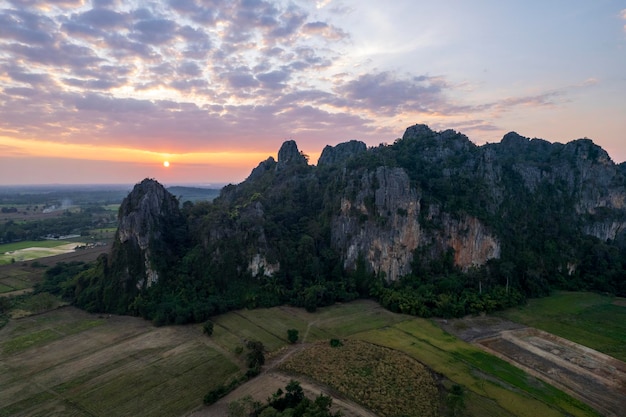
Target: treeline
<point>69,222</point>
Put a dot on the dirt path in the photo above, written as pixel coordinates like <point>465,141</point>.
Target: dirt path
<point>16,292</point>
<point>271,379</point>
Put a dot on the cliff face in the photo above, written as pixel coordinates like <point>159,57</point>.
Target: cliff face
<point>149,234</point>
<point>428,193</point>
<point>382,225</point>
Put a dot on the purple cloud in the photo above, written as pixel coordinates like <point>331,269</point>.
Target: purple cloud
<point>154,31</point>
<point>38,3</point>
<point>273,79</point>
<point>34,79</point>
<point>385,93</point>
<point>102,19</point>
<point>107,104</point>
<point>26,27</point>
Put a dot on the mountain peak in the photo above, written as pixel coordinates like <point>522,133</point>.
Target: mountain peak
<point>290,155</point>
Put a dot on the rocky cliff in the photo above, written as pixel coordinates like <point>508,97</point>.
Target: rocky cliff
<point>456,225</point>
<point>381,223</point>
<point>149,220</point>
<point>428,193</point>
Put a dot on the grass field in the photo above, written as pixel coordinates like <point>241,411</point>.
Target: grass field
<point>593,320</point>
<point>9,247</point>
<point>68,362</point>
<point>30,250</point>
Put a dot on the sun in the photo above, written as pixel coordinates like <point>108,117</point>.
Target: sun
<point>166,164</point>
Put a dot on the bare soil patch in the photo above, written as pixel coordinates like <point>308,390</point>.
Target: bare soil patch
<point>593,377</point>
<point>470,328</point>
<point>620,302</point>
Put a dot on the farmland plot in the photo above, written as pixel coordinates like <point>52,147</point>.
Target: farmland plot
<point>68,362</point>
<point>595,378</point>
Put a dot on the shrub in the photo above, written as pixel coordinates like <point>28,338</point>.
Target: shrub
<point>207,327</point>
<point>335,343</point>
<point>292,336</point>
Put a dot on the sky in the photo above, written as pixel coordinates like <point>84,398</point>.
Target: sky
<point>106,91</point>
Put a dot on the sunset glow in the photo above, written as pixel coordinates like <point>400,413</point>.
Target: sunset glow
<point>216,90</point>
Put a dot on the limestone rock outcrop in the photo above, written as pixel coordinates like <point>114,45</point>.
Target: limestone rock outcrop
<point>150,230</point>
<point>340,153</point>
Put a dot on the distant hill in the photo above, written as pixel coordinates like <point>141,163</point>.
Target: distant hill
<point>429,225</point>
<point>193,194</point>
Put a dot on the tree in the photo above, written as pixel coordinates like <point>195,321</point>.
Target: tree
<point>243,407</point>
<point>207,327</point>
<point>292,335</point>
<point>335,343</point>
<point>256,356</point>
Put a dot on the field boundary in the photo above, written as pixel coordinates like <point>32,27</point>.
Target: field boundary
<point>586,374</point>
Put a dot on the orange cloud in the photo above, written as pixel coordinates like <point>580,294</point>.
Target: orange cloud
<point>47,149</point>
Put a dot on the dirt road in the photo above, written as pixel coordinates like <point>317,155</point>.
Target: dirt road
<point>266,384</point>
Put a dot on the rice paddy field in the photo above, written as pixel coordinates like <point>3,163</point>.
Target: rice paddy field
<point>69,362</point>
<point>593,320</point>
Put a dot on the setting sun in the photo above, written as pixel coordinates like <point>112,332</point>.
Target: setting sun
<point>166,164</point>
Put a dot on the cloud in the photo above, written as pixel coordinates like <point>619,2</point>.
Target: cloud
<point>26,27</point>
<point>324,29</point>
<point>20,91</point>
<point>122,47</point>
<point>241,79</point>
<point>94,84</point>
<point>273,79</point>
<point>63,55</point>
<point>191,75</point>
<point>107,104</point>
<point>154,31</point>
<point>44,4</point>
<point>386,93</point>
<point>101,19</point>
<point>186,85</point>
<point>20,75</point>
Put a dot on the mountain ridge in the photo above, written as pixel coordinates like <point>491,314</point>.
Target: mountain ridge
<point>431,224</point>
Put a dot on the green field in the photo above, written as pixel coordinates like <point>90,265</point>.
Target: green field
<point>69,362</point>
<point>494,387</point>
<point>9,247</point>
<point>29,250</point>
<point>593,320</point>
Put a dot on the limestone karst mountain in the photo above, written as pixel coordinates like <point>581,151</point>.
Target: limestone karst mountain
<point>449,223</point>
